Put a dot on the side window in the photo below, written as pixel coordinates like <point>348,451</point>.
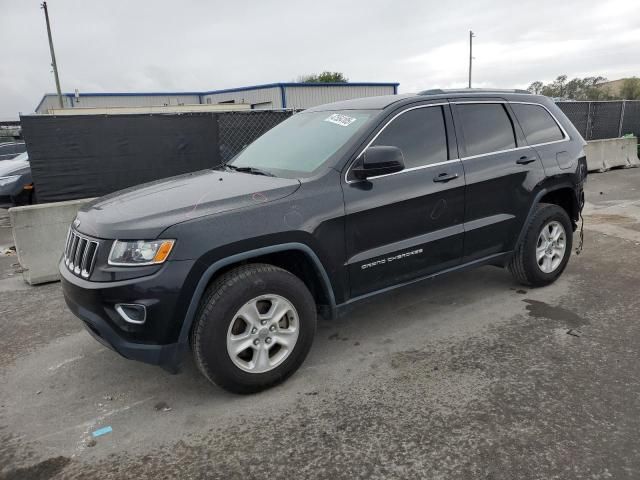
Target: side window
<point>487,128</point>
<point>537,124</point>
<point>420,134</point>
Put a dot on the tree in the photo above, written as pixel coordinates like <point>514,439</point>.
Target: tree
<point>558,85</point>
<point>324,77</point>
<point>536,87</point>
<point>630,89</point>
<point>588,88</point>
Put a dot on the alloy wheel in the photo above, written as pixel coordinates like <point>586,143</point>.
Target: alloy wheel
<point>551,247</point>
<point>263,333</point>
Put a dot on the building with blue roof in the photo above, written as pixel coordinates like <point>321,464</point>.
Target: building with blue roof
<point>272,96</point>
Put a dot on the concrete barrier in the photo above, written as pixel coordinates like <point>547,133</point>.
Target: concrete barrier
<point>603,155</point>
<point>39,233</point>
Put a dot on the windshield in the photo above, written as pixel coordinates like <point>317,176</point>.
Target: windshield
<point>302,143</point>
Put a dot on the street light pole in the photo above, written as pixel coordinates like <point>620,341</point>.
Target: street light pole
<point>53,54</point>
<point>471,35</point>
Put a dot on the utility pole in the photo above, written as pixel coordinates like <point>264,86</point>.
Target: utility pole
<point>471,35</point>
<point>53,54</point>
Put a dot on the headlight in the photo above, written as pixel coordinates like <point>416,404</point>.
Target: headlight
<point>8,180</point>
<point>140,252</point>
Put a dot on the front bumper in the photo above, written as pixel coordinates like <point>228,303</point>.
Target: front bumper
<point>156,341</point>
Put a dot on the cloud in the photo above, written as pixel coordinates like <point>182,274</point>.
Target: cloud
<point>160,45</point>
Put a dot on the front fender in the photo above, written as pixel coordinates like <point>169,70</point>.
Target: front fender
<point>211,270</point>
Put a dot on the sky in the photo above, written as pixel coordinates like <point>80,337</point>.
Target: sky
<point>194,45</point>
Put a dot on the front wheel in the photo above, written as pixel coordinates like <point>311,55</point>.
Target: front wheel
<point>543,253</point>
<point>254,329</point>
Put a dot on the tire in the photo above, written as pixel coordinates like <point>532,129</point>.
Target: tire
<point>257,289</point>
<point>524,265</point>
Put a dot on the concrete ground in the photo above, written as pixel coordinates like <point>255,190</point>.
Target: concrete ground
<point>465,377</point>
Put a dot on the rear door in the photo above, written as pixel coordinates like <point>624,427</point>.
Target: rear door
<point>501,173</point>
<point>544,133</point>
<point>407,224</point>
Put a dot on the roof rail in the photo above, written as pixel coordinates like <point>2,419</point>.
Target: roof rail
<point>440,91</point>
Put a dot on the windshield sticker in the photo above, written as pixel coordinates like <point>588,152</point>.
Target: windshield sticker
<point>342,120</point>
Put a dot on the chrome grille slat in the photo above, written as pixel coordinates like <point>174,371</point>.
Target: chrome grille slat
<point>90,259</point>
<point>72,252</point>
<point>82,244</point>
<point>83,264</point>
<point>66,244</point>
<point>80,254</point>
<point>67,248</point>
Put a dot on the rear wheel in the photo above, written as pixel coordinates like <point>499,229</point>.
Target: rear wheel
<point>544,252</point>
<point>254,329</point>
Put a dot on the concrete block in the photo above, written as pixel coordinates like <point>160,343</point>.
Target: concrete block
<point>603,155</point>
<point>39,233</point>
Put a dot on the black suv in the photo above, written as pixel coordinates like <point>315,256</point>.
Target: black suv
<point>334,205</point>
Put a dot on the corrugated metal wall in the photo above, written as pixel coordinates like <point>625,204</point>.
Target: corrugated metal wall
<point>102,101</point>
<point>51,101</point>
<point>261,98</point>
<point>306,97</point>
<point>135,100</point>
<point>268,97</point>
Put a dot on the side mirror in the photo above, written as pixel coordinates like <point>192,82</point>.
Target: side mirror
<point>379,160</point>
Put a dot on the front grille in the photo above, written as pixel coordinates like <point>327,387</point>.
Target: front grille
<point>80,254</point>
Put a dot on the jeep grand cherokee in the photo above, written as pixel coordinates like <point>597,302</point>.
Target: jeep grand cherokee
<point>334,205</point>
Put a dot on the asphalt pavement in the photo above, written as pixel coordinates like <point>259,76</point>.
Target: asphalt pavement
<point>469,376</point>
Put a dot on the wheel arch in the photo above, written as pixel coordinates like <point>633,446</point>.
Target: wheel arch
<point>275,255</point>
<point>563,195</point>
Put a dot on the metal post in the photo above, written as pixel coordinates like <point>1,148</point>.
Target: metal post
<point>53,54</point>
<point>471,35</point>
<point>624,102</point>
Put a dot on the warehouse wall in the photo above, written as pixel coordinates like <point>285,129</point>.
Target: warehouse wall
<point>306,97</point>
<point>51,101</point>
<point>135,100</point>
<point>261,98</point>
<point>101,101</point>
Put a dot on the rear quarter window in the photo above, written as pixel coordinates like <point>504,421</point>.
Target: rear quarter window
<point>537,124</point>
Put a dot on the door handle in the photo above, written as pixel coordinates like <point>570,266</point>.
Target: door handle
<point>524,160</point>
<point>445,177</point>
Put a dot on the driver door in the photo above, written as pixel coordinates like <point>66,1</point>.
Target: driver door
<point>408,224</point>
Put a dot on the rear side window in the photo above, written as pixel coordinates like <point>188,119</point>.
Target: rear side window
<point>420,134</point>
<point>487,128</point>
<point>537,124</point>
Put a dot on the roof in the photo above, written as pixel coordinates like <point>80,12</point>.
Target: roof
<point>437,91</point>
<point>383,101</point>
<point>226,90</point>
<point>366,103</point>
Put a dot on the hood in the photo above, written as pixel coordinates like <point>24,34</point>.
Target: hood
<point>14,166</point>
<point>143,212</point>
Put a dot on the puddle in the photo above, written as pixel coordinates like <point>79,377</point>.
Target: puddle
<point>538,309</point>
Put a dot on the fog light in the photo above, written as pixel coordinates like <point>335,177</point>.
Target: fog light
<point>132,312</point>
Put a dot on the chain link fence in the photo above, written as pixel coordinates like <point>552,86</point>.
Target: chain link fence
<point>594,120</point>
<point>239,129</point>
<point>598,120</point>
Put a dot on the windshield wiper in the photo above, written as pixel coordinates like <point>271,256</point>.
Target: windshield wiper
<point>252,170</point>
